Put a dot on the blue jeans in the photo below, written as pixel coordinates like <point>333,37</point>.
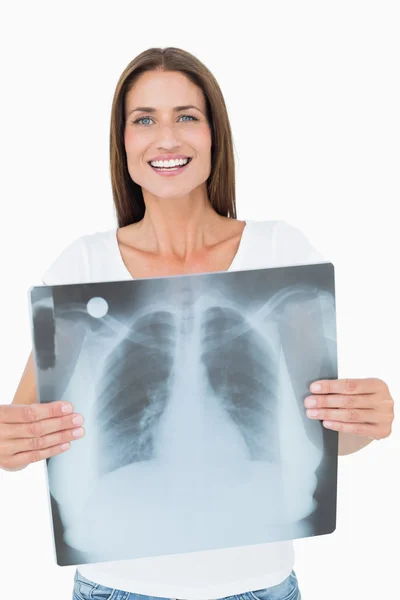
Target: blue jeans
<point>84,589</point>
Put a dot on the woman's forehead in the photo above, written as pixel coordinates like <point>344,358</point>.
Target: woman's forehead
<point>164,90</point>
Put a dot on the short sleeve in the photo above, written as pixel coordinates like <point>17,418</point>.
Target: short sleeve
<point>69,267</point>
<point>292,246</point>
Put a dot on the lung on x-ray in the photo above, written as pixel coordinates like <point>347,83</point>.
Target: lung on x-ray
<point>192,388</point>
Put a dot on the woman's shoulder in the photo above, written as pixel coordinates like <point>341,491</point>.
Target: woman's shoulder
<point>288,242</point>
<point>74,263</point>
<point>277,226</point>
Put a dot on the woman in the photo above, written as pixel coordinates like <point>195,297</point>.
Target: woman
<point>172,170</point>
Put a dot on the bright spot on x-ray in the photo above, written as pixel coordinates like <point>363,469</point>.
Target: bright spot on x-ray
<point>97,307</point>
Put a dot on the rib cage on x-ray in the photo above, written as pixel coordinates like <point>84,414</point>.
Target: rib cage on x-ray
<point>208,345</point>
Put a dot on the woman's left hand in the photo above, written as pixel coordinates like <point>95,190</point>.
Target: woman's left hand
<point>357,406</point>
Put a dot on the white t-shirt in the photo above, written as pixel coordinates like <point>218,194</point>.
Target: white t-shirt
<point>212,573</point>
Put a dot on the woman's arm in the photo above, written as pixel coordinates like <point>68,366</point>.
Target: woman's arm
<point>26,392</point>
<point>350,443</point>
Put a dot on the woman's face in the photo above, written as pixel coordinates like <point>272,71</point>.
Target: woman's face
<point>166,118</point>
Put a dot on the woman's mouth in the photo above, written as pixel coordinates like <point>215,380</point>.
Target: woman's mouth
<point>170,167</point>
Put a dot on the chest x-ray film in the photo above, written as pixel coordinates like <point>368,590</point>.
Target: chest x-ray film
<point>192,388</point>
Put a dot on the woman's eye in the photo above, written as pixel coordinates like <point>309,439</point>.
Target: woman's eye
<point>141,119</point>
<point>190,117</point>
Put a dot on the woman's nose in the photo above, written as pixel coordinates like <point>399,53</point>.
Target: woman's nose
<point>168,133</point>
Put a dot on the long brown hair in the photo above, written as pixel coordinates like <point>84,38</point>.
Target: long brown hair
<point>128,196</point>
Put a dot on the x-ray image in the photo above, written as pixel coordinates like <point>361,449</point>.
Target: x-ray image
<point>192,388</point>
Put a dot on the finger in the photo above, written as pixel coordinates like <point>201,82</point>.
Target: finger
<point>22,459</point>
<point>370,385</point>
<point>29,413</point>
<point>37,429</point>
<point>341,401</point>
<point>40,443</point>
<point>348,416</point>
<point>363,429</point>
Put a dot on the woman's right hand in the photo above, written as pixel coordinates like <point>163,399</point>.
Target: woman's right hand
<point>32,432</point>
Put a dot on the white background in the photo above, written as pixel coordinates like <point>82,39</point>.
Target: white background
<point>312,90</point>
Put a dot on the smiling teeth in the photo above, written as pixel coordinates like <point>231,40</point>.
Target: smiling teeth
<point>169,163</point>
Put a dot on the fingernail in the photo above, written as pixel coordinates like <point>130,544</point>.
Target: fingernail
<point>309,402</point>
<point>315,387</point>
<point>312,413</point>
<point>78,432</point>
<point>78,420</point>
<point>66,408</point>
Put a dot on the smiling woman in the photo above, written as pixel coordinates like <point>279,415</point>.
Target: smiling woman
<point>168,106</point>
<point>173,184</point>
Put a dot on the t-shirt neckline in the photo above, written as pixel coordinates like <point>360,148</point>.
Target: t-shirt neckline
<point>235,262</point>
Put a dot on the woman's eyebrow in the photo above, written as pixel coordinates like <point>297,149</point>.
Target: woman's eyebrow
<point>150,109</point>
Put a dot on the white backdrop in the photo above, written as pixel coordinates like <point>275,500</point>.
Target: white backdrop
<point>312,90</point>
